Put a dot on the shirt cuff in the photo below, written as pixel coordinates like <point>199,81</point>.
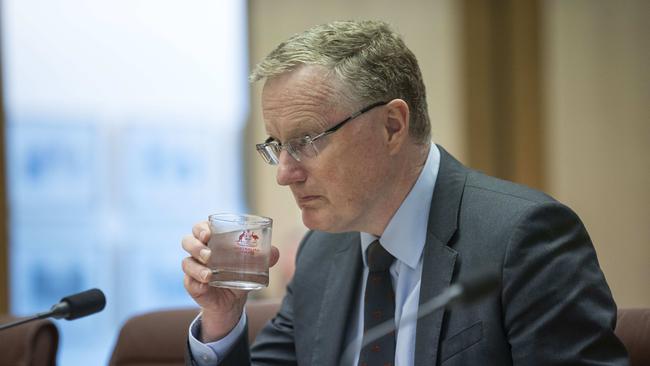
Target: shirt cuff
<point>209,354</point>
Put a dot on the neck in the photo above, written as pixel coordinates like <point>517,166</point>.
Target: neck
<point>408,167</point>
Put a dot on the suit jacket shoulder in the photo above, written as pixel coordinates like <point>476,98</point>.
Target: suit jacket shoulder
<point>550,276</point>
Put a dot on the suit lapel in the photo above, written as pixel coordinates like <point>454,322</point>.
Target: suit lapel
<point>342,280</point>
<point>439,259</point>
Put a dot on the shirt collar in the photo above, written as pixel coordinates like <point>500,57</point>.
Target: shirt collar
<point>406,232</point>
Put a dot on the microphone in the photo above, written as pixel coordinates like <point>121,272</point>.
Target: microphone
<point>463,292</point>
<point>70,307</point>
<point>78,305</point>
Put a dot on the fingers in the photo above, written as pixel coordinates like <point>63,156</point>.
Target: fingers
<point>195,270</point>
<point>195,244</point>
<point>201,231</point>
<point>196,248</point>
<point>274,256</point>
<point>195,288</point>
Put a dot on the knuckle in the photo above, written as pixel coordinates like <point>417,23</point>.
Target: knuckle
<point>195,270</point>
<point>186,241</point>
<point>187,282</point>
<point>189,266</point>
<point>192,287</point>
<point>198,227</point>
<point>185,264</point>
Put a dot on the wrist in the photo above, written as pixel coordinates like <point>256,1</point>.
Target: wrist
<point>215,325</point>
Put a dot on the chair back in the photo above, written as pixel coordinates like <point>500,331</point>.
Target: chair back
<point>633,329</point>
<point>159,338</point>
<point>30,344</point>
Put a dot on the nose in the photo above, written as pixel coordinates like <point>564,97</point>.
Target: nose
<point>289,170</point>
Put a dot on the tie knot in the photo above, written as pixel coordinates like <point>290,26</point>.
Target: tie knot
<point>378,258</point>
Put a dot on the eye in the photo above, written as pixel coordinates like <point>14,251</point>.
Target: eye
<point>301,142</point>
<point>304,140</point>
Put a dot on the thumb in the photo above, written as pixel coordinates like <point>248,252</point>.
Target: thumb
<point>275,255</point>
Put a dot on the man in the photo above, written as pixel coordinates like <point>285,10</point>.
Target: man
<point>393,221</point>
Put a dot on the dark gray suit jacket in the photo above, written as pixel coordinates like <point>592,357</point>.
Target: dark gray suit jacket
<point>553,306</point>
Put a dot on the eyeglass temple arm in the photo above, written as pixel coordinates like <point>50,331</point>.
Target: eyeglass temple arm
<point>340,124</point>
<point>355,115</point>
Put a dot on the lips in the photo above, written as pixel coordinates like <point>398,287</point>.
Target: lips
<point>307,199</point>
<point>304,198</point>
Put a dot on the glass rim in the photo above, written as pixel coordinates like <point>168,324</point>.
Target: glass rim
<point>239,218</point>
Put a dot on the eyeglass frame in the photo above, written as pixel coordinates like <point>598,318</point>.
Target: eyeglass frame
<point>267,149</point>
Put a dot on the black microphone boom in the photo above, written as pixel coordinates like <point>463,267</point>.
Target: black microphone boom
<point>69,308</point>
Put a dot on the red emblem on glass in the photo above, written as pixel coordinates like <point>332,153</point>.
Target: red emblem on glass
<point>248,239</point>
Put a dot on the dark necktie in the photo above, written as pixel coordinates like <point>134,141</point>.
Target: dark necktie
<point>379,306</point>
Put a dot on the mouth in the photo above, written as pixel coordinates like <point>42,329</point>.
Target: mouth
<point>307,200</point>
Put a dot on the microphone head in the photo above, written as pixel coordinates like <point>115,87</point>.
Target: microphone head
<point>84,303</point>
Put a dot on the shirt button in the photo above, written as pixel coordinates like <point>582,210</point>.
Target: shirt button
<point>205,358</point>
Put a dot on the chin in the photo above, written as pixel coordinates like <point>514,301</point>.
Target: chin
<point>315,219</point>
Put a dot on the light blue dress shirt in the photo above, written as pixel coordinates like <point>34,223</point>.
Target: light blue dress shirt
<point>404,238</point>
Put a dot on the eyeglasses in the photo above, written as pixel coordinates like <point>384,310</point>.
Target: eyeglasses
<point>303,147</point>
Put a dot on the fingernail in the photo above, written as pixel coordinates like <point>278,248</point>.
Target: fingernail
<point>205,274</point>
<point>205,254</point>
<point>203,235</point>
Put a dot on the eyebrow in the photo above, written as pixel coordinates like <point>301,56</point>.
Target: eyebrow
<point>301,132</point>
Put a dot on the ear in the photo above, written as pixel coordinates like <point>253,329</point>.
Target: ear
<point>397,124</point>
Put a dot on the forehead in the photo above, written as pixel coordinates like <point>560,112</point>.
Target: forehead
<point>299,102</point>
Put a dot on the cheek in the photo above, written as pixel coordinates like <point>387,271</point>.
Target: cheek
<point>353,181</point>
<point>350,174</point>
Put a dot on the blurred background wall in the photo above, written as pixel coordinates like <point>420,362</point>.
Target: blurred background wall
<point>552,94</point>
<point>597,91</point>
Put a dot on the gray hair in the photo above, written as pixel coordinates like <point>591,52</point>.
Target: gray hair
<point>368,57</point>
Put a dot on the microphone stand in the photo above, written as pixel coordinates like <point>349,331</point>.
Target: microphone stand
<point>38,316</point>
<point>70,307</point>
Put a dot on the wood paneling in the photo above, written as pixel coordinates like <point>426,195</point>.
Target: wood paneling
<point>502,82</point>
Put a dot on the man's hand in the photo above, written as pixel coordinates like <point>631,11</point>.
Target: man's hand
<point>221,307</point>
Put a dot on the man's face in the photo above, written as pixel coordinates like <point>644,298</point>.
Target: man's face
<point>341,188</point>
